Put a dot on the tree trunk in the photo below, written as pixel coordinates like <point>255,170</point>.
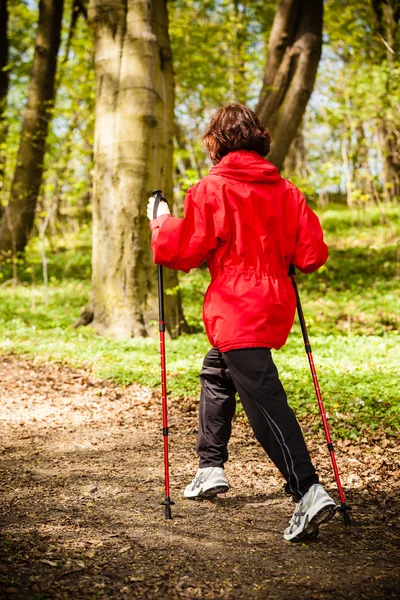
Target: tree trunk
<point>133,156</point>
<point>19,214</point>
<point>347,174</point>
<point>296,159</point>
<point>387,15</point>
<point>293,55</point>
<point>389,141</point>
<point>3,62</point>
<point>3,90</point>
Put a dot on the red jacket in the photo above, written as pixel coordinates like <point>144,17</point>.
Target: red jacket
<point>249,224</point>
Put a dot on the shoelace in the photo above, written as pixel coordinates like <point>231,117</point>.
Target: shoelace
<point>197,481</point>
<point>296,519</point>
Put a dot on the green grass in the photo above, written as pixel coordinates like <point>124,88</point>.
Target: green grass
<point>352,308</point>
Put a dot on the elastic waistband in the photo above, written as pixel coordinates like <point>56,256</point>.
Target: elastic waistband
<point>259,273</point>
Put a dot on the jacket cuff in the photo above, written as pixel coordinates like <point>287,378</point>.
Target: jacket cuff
<point>158,222</point>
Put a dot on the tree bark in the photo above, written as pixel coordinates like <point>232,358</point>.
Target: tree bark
<point>19,214</point>
<point>78,8</point>
<point>3,89</point>
<point>348,174</point>
<point>296,159</point>
<point>3,61</point>
<point>389,141</point>
<point>387,15</point>
<point>293,55</point>
<point>133,155</point>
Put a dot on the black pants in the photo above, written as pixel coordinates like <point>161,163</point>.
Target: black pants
<point>252,373</point>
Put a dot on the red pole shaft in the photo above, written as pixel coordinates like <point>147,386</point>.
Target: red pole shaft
<point>164,408</point>
<point>317,388</point>
<point>326,426</point>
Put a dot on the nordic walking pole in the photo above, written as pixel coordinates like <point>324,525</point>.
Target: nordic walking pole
<point>344,508</point>
<point>158,195</point>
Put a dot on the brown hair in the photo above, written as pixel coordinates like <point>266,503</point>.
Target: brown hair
<point>235,127</point>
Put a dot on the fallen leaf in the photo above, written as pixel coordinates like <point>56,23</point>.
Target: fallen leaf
<point>48,562</point>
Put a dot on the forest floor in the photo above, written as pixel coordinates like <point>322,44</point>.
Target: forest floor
<point>81,486</point>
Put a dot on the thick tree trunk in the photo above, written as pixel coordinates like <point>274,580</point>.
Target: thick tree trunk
<point>293,55</point>
<point>133,156</point>
<point>19,214</point>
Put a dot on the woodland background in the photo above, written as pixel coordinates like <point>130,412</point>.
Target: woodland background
<point>102,102</point>
<point>344,156</point>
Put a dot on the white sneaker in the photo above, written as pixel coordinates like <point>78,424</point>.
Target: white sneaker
<point>207,483</point>
<point>314,508</point>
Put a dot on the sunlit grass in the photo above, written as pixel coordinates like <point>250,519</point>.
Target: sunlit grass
<point>352,307</point>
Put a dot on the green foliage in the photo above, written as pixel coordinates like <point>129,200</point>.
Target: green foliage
<point>21,33</point>
<point>69,156</point>
<point>352,308</point>
<point>357,90</point>
<point>219,51</point>
<point>69,159</point>
<point>219,59</point>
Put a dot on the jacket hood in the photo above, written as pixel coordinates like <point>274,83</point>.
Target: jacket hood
<point>246,165</point>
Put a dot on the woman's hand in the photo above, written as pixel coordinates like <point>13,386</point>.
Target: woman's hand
<point>163,208</point>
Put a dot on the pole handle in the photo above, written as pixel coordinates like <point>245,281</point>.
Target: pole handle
<point>159,197</point>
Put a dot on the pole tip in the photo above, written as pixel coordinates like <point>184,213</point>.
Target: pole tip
<point>345,510</point>
<point>168,503</point>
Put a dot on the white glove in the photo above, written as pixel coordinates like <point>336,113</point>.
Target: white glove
<point>163,208</point>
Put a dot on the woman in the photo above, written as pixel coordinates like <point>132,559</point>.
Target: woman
<point>249,224</point>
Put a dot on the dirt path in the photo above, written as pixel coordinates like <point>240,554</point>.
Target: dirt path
<point>81,485</point>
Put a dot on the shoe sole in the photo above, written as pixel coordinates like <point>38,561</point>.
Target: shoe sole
<point>323,516</point>
<point>310,532</point>
<point>209,493</point>
<point>308,536</point>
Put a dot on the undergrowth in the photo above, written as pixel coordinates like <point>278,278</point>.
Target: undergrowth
<point>352,308</point>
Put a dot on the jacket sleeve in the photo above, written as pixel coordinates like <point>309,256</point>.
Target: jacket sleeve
<point>184,243</point>
<point>311,251</point>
